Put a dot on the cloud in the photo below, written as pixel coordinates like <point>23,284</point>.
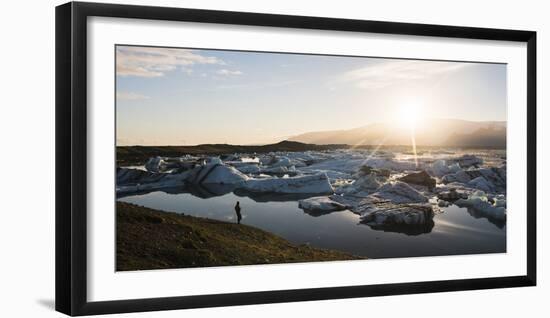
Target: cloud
<point>397,72</point>
<point>228,72</point>
<point>156,62</point>
<point>130,96</point>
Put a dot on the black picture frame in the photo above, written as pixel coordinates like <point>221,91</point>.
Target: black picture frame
<point>71,157</point>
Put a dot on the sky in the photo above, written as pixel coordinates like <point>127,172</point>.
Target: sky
<point>170,96</point>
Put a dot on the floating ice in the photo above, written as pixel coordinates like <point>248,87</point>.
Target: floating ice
<point>311,184</point>
<point>486,179</point>
<point>279,170</point>
<point>399,192</point>
<point>452,195</point>
<point>321,204</point>
<point>215,173</point>
<point>478,201</point>
<point>402,217</point>
<point>246,167</point>
<point>440,168</point>
<point>126,176</point>
<point>481,183</point>
<point>363,186</point>
<point>159,181</point>
<point>419,178</point>
<point>154,164</point>
<point>466,161</point>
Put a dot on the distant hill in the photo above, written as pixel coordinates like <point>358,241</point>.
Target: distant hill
<point>433,132</point>
<point>483,137</point>
<point>130,155</point>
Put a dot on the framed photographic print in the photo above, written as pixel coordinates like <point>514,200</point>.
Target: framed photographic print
<point>211,158</point>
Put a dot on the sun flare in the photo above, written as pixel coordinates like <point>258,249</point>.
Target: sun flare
<point>409,114</point>
<point>408,117</point>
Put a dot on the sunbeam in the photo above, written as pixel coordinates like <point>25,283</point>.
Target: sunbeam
<point>409,116</point>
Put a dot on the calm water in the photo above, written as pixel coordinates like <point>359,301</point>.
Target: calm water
<point>455,231</point>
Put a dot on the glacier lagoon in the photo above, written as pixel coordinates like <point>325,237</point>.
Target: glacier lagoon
<point>376,204</point>
<point>455,230</point>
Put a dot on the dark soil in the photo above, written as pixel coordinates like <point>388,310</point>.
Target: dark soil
<point>153,239</point>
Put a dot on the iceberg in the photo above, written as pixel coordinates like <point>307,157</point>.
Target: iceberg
<point>485,179</point>
<point>321,204</point>
<point>246,167</point>
<point>440,168</point>
<point>406,214</point>
<point>164,164</point>
<point>419,178</point>
<point>168,180</point>
<point>479,201</point>
<point>279,170</point>
<point>399,192</point>
<point>155,164</point>
<point>452,195</point>
<point>127,176</point>
<point>410,219</point>
<point>342,165</point>
<point>466,161</point>
<point>481,183</point>
<point>310,184</point>
<point>362,187</point>
<point>281,162</point>
<point>215,173</point>
<point>385,163</point>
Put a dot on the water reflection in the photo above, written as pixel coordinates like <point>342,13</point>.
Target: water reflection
<point>456,231</point>
<point>205,191</point>
<point>413,229</point>
<point>500,223</point>
<point>199,191</point>
<point>318,213</point>
<point>265,197</point>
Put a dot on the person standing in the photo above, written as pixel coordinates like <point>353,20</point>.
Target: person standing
<point>238,212</point>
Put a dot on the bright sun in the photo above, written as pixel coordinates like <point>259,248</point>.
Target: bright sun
<point>408,117</point>
<point>409,114</point>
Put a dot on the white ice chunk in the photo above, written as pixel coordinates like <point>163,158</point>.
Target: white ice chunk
<point>167,181</point>
<point>413,214</point>
<point>468,160</point>
<point>363,186</point>
<point>321,204</point>
<point>247,167</point>
<point>216,173</point>
<point>482,184</point>
<point>386,163</point>
<point>154,164</point>
<point>282,162</point>
<point>311,184</point>
<point>478,201</point>
<point>440,168</point>
<point>399,192</point>
<point>214,161</point>
<point>279,170</point>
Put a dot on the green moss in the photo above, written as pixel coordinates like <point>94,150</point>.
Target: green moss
<point>152,239</point>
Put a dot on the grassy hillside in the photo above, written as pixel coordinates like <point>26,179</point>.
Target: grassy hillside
<point>133,155</point>
<point>152,239</point>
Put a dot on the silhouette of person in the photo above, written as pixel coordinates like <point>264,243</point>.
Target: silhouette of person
<point>238,212</point>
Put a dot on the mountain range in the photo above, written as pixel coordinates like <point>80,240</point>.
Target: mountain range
<point>428,132</point>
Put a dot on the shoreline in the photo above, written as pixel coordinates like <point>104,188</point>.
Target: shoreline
<point>154,239</point>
